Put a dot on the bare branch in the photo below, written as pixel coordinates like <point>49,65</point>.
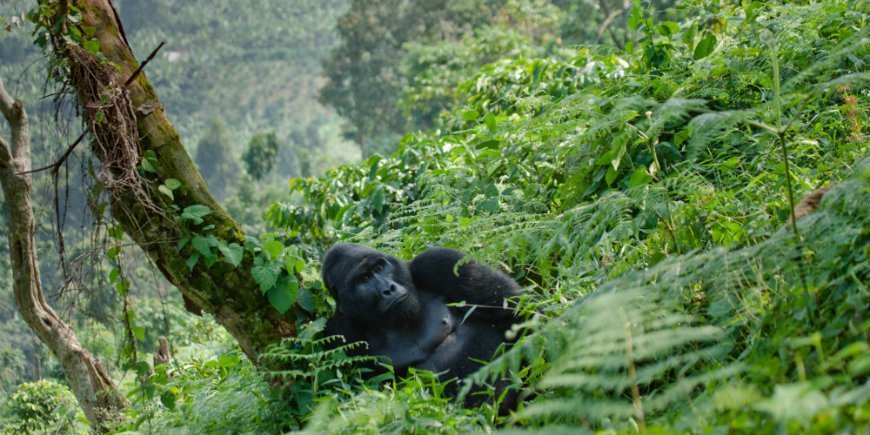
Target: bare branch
<point>606,25</point>
<point>5,154</point>
<point>55,167</point>
<point>142,65</point>
<point>6,103</point>
<point>5,107</point>
<point>87,377</point>
<point>14,113</point>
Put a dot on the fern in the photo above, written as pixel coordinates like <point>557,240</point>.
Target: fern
<point>617,344</point>
<point>684,318</point>
<point>301,360</point>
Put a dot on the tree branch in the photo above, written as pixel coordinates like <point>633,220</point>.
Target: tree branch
<point>606,25</point>
<point>145,62</point>
<point>5,154</point>
<point>6,102</point>
<point>56,165</point>
<point>15,115</point>
<point>87,377</point>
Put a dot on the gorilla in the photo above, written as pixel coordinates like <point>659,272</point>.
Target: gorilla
<point>404,312</point>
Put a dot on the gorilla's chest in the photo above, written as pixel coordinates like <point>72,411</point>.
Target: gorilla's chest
<point>415,345</point>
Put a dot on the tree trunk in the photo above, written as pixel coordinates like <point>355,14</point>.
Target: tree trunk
<point>88,379</point>
<point>227,292</point>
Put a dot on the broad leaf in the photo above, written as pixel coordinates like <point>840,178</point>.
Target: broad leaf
<point>149,161</point>
<point>273,248</point>
<point>283,297</point>
<point>705,46</point>
<point>195,213</point>
<point>232,253</point>
<point>265,273</point>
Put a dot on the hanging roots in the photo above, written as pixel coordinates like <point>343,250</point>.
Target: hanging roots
<point>111,120</point>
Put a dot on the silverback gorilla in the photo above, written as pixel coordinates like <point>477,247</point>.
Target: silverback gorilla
<point>402,309</point>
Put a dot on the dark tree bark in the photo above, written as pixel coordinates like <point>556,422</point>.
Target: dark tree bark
<point>88,379</point>
<point>227,292</point>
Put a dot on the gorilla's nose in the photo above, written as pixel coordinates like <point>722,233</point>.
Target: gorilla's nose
<point>390,290</point>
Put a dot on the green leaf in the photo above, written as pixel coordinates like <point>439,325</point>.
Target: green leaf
<point>114,274</point>
<point>293,264</point>
<point>149,161</point>
<point>138,331</point>
<point>373,169</point>
<point>167,398</point>
<point>639,177</point>
<point>668,28</point>
<point>705,46</point>
<point>488,144</point>
<point>636,16</point>
<point>93,46</point>
<point>113,252</point>
<point>378,200</point>
<point>166,191</point>
<point>122,287</point>
<point>265,273</point>
<point>209,260</point>
<point>306,300</point>
<point>610,176</point>
<point>172,183</point>
<point>232,253</point>
<point>228,360</point>
<point>116,232</point>
<point>470,115</point>
<point>689,34</point>
<point>489,205</point>
<point>731,163</point>
<point>274,248</point>
<point>203,245</point>
<point>195,213</point>
<point>191,261</point>
<point>490,122</point>
<point>284,296</point>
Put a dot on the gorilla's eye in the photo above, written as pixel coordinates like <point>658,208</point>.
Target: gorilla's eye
<point>378,267</point>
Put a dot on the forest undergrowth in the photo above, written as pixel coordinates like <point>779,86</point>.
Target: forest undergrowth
<point>642,200</point>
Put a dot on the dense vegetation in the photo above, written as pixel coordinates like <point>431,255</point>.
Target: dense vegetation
<point>641,196</point>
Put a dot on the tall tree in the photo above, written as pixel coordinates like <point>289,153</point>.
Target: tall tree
<point>364,72</point>
<point>87,377</point>
<point>127,125</point>
<point>261,155</point>
<point>214,156</point>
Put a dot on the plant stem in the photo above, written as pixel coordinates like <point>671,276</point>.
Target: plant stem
<point>632,374</point>
<point>789,189</point>
<point>780,133</point>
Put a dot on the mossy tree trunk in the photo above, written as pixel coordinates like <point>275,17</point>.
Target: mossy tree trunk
<point>227,292</point>
<point>87,377</point>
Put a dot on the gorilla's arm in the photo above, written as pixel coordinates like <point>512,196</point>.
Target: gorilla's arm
<point>434,271</point>
<point>353,332</point>
<point>341,324</point>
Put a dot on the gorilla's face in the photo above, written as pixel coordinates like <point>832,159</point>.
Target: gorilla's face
<point>370,286</point>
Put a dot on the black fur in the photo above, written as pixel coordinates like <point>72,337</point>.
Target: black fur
<point>401,309</point>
